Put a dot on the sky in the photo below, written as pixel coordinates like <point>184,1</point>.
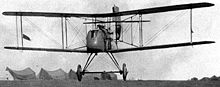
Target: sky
<point>164,64</point>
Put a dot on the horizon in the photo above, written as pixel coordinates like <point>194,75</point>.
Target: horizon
<point>166,64</point>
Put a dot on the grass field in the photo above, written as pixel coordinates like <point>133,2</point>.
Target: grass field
<point>108,83</point>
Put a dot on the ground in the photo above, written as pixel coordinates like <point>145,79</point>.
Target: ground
<point>107,83</point>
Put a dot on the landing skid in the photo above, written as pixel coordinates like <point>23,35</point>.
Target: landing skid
<point>81,72</point>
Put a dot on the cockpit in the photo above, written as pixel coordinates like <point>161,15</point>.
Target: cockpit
<point>94,33</point>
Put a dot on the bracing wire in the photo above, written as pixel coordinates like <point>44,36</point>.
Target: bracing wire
<point>165,27</point>
<point>77,33</point>
<point>41,30</point>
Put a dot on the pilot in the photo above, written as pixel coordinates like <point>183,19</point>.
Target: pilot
<point>101,27</point>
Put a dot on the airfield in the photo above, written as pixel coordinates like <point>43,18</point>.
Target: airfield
<point>59,78</point>
<point>108,83</point>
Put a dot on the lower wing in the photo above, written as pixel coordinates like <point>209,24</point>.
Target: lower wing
<point>47,49</point>
<point>161,46</point>
<point>114,51</point>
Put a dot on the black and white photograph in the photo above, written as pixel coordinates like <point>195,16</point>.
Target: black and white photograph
<point>109,43</point>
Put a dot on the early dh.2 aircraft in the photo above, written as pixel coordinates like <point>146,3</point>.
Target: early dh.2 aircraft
<point>100,40</point>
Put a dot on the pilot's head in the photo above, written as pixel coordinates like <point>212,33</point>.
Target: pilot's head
<point>101,26</point>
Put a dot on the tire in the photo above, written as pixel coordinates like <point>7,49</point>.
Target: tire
<point>124,72</point>
<point>79,73</point>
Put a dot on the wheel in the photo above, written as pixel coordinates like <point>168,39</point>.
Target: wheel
<point>124,71</point>
<point>79,73</point>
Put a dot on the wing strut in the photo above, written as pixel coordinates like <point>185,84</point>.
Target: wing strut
<point>22,42</point>
<point>16,21</point>
<point>64,32</point>
<point>86,27</point>
<point>140,31</point>
<point>131,31</point>
<point>191,30</point>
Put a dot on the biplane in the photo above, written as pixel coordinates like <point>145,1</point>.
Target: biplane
<point>100,39</point>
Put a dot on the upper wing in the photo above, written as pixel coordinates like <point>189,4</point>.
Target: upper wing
<point>122,13</point>
<point>161,46</point>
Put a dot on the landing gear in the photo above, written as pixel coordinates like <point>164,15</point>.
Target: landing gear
<point>79,73</point>
<point>124,71</point>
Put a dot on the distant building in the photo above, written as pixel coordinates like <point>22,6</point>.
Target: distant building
<point>25,74</point>
<point>49,75</point>
<point>108,76</point>
<point>28,74</point>
<point>72,75</point>
<point>194,79</point>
